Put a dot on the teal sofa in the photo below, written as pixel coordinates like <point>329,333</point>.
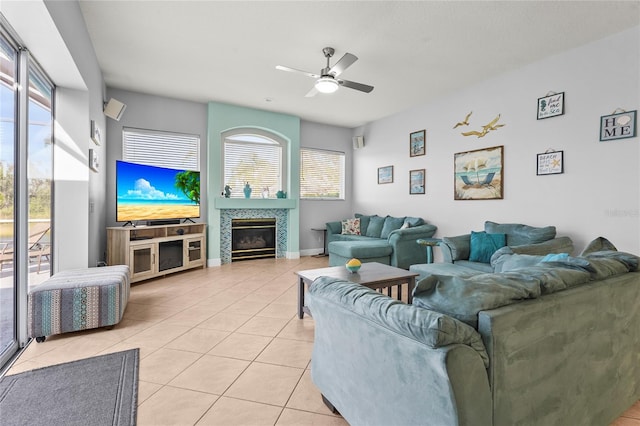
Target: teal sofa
<point>518,238</point>
<point>553,342</point>
<point>385,239</point>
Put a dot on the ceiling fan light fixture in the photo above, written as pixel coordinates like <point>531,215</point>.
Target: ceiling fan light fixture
<point>326,85</point>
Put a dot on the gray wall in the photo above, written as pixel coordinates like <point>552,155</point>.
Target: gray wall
<point>596,196</point>
<point>154,113</point>
<point>315,213</point>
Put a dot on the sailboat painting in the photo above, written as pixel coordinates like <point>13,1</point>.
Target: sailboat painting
<point>478,174</point>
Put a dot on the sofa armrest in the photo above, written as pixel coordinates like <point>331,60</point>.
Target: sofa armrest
<point>406,251</point>
<point>456,248</point>
<point>334,227</point>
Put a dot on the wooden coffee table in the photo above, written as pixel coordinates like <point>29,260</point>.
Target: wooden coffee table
<point>373,275</point>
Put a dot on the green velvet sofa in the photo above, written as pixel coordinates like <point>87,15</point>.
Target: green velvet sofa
<point>548,341</point>
<point>372,238</point>
<point>518,238</point>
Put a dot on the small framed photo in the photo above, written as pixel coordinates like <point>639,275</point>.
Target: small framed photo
<point>550,163</point>
<point>417,143</point>
<point>416,181</point>
<point>385,174</point>
<point>618,126</point>
<point>96,137</point>
<point>551,105</point>
<point>93,160</point>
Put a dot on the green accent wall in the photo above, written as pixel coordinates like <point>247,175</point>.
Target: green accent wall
<point>224,117</point>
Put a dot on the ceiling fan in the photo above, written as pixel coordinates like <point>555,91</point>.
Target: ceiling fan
<point>326,81</point>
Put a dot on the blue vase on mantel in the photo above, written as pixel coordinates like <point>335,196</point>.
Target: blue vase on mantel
<point>247,190</point>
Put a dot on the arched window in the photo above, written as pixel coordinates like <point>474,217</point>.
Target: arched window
<point>256,157</point>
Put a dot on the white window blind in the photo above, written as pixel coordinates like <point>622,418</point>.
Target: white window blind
<point>321,174</point>
<point>254,159</point>
<point>163,149</point>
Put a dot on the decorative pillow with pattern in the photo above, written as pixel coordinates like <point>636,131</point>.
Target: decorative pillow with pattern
<point>351,226</point>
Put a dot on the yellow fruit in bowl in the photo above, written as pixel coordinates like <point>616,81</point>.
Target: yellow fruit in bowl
<point>353,265</point>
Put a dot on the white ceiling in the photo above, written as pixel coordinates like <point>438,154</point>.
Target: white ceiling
<point>412,52</point>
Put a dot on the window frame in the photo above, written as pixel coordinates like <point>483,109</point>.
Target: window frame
<point>342,192</point>
<point>279,141</point>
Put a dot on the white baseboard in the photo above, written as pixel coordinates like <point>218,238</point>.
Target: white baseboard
<point>212,263</point>
<point>311,252</point>
<point>292,255</point>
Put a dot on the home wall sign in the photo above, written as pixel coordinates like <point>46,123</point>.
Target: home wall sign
<point>551,105</point>
<point>621,125</point>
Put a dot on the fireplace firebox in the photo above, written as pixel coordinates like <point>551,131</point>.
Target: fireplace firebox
<point>253,238</point>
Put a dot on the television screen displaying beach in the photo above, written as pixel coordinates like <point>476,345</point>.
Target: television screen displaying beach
<point>149,192</point>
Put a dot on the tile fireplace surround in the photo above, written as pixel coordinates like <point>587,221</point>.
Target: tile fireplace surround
<point>226,215</point>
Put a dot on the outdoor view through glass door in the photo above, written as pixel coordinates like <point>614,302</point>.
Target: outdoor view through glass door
<point>36,181</point>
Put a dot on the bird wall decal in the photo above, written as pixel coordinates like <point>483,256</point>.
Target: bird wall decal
<point>465,122</point>
<point>492,125</point>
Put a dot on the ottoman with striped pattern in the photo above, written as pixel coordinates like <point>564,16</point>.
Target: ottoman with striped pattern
<point>78,299</point>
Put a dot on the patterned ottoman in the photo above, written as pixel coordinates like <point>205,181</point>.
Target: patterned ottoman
<point>78,299</point>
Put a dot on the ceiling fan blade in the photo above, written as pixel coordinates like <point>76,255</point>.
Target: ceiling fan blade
<point>358,86</point>
<point>308,74</point>
<point>312,92</point>
<point>345,62</point>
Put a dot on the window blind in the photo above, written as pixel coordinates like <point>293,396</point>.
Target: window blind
<point>321,174</point>
<point>258,163</point>
<point>163,149</point>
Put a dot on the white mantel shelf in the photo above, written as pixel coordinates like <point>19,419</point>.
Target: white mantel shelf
<point>254,203</point>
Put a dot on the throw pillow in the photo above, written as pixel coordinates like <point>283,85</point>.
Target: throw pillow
<point>391,224</point>
<point>364,223</point>
<point>375,226</point>
<point>351,226</point>
<point>405,225</point>
<point>483,245</point>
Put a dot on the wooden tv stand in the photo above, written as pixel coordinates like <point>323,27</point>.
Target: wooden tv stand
<point>153,251</point>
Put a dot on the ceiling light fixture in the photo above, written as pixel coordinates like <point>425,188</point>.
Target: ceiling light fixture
<point>326,85</point>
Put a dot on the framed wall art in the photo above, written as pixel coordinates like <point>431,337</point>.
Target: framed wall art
<point>551,105</point>
<point>621,125</point>
<point>93,160</point>
<point>478,174</point>
<point>385,174</point>
<point>550,163</point>
<point>417,142</point>
<point>416,181</point>
<point>96,136</point>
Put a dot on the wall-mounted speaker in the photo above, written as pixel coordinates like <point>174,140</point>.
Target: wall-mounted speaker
<point>358,142</point>
<point>114,109</point>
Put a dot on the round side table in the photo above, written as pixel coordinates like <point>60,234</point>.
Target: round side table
<point>429,243</point>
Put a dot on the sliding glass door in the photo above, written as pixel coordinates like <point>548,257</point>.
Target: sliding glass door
<point>26,187</point>
<point>8,143</point>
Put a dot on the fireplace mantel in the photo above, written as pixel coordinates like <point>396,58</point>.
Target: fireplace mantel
<point>254,203</point>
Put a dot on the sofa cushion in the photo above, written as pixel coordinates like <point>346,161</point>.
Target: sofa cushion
<point>519,234</point>
<point>463,297</point>
<point>413,221</point>
<point>391,224</point>
<point>483,245</point>
<point>360,249</point>
<point>364,222</point>
<point>351,226</point>
<point>434,329</point>
<point>509,262</point>
<point>599,244</point>
<point>375,226</point>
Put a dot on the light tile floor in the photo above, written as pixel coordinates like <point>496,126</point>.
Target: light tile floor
<point>218,346</point>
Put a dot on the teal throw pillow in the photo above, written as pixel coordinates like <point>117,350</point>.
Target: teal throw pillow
<point>391,224</point>
<point>375,226</point>
<point>483,245</point>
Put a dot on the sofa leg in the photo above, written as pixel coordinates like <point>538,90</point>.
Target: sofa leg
<point>330,405</point>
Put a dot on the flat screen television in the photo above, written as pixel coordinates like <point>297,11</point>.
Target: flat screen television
<point>155,193</point>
